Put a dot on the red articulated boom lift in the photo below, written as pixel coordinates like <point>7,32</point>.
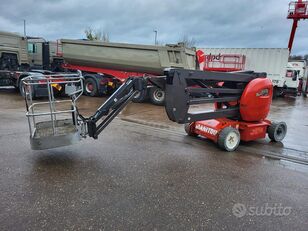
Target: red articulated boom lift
<point>241,104</point>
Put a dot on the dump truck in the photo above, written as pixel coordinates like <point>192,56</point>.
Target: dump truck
<point>106,65</point>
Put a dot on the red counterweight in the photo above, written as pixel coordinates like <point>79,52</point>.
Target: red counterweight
<point>256,100</point>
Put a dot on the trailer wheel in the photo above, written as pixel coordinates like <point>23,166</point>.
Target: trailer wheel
<point>90,87</point>
<point>157,96</point>
<point>189,130</point>
<point>141,96</point>
<point>277,131</point>
<point>229,139</point>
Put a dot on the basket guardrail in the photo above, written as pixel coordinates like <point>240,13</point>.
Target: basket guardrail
<point>53,123</point>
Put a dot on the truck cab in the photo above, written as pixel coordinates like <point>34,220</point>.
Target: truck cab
<point>13,51</point>
<point>296,75</point>
<point>43,54</point>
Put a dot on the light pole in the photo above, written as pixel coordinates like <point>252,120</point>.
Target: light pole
<point>24,27</point>
<point>155,41</point>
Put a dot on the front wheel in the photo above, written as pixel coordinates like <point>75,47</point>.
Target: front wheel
<point>157,96</point>
<point>277,131</point>
<point>229,139</point>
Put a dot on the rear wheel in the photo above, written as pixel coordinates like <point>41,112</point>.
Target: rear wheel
<point>189,130</point>
<point>229,139</point>
<point>90,87</point>
<point>277,131</point>
<point>157,96</point>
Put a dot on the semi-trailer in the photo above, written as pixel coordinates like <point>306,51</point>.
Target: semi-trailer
<point>109,64</point>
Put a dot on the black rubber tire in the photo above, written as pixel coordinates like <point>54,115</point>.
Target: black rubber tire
<point>189,131</point>
<point>223,139</point>
<point>157,96</point>
<point>278,92</point>
<point>141,97</point>
<point>87,91</point>
<point>277,131</point>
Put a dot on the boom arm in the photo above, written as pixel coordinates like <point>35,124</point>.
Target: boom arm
<point>114,105</point>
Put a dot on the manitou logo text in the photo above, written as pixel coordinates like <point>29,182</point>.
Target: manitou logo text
<point>206,129</point>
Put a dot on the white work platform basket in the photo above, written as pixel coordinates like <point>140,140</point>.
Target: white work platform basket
<point>53,119</point>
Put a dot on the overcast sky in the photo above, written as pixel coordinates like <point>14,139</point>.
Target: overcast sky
<point>212,23</point>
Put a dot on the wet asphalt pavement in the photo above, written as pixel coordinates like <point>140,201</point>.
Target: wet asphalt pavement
<point>141,177</point>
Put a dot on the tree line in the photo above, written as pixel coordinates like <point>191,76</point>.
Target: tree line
<point>101,35</point>
<point>299,57</point>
